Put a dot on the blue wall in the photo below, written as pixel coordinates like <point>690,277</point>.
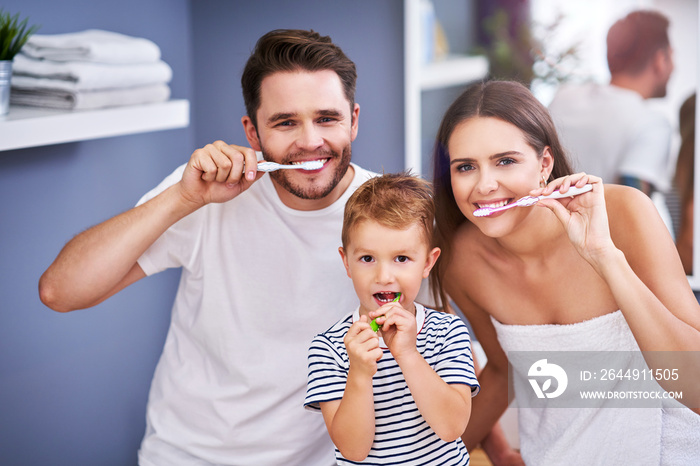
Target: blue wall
<point>73,387</point>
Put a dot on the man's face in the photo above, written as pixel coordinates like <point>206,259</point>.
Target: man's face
<point>305,116</point>
<point>665,69</point>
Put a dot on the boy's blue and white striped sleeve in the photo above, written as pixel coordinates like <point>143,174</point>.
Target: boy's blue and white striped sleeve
<point>328,367</point>
<point>454,362</point>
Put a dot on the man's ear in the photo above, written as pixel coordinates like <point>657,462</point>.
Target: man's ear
<point>430,262</point>
<point>662,63</point>
<point>345,260</point>
<point>251,133</point>
<point>660,59</point>
<point>355,121</point>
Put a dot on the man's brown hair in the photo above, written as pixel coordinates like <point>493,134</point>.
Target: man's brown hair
<point>289,50</point>
<point>634,40</point>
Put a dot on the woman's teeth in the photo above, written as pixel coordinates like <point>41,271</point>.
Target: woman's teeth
<point>494,205</point>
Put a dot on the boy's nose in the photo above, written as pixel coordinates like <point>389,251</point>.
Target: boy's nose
<point>385,274</point>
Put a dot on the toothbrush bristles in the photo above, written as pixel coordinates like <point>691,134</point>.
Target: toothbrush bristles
<point>312,165</point>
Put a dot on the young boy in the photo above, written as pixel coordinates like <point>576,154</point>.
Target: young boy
<point>402,395</point>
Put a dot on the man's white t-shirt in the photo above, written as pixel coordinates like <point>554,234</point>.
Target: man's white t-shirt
<point>259,281</point>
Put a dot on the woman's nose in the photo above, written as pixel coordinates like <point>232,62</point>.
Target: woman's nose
<point>487,182</point>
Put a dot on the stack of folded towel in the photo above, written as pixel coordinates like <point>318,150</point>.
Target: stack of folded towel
<point>87,70</point>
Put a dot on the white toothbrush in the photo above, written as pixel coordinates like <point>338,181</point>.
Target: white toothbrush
<point>532,200</point>
<point>272,166</point>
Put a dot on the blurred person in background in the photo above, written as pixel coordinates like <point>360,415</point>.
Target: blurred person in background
<point>610,130</point>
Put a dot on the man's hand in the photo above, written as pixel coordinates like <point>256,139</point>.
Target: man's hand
<point>218,172</point>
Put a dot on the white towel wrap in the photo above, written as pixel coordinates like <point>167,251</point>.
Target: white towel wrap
<point>607,436</point>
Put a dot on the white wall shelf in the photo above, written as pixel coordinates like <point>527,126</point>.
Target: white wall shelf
<point>454,70</point>
<point>33,126</point>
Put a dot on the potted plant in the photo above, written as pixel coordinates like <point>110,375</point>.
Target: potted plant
<point>13,35</point>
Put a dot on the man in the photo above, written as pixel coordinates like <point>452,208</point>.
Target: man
<point>610,130</point>
<point>259,274</point>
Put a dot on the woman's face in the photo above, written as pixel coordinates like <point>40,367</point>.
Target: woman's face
<point>491,164</point>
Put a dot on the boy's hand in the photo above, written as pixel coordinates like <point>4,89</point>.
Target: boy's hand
<point>363,348</point>
<point>397,327</point>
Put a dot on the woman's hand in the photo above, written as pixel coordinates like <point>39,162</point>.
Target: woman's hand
<point>584,217</point>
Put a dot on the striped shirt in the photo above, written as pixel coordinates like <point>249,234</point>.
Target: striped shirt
<point>402,437</point>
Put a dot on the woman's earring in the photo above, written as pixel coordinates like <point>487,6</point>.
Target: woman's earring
<point>543,183</point>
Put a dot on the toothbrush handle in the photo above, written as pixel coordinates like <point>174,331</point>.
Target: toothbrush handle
<point>573,191</point>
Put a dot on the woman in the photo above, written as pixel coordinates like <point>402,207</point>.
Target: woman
<point>596,272</point>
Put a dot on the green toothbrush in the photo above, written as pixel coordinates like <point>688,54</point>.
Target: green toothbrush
<point>374,324</point>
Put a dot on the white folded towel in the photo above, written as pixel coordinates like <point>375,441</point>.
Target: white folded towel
<point>93,45</point>
<point>86,100</point>
<point>78,76</point>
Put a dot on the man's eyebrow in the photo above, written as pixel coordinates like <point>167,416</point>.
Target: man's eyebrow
<point>330,112</point>
<point>280,116</point>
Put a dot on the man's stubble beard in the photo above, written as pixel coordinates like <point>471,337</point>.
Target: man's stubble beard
<point>282,177</point>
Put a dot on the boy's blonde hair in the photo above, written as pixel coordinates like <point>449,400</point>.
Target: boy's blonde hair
<point>395,200</point>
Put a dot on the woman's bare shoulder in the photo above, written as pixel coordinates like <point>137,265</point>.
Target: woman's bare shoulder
<point>623,198</point>
<point>630,210</point>
<point>636,228</point>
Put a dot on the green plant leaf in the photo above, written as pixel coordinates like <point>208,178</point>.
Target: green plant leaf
<point>13,34</point>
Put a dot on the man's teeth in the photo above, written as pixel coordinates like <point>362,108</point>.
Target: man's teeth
<point>316,160</point>
<point>493,205</point>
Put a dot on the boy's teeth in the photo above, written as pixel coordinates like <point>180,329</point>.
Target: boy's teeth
<point>385,297</point>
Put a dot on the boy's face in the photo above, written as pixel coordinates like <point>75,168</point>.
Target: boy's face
<point>383,261</point>
<point>305,116</point>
